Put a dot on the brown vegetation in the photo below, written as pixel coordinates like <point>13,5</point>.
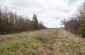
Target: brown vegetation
<point>11,22</point>
<point>42,42</point>
<point>76,24</point>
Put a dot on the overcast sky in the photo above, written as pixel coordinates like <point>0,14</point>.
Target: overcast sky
<point>50,12</point>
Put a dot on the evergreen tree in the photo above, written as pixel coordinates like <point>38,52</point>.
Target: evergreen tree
<point>82,28</point>
<point>35,22</point>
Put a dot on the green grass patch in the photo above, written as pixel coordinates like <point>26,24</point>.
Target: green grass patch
<point>54,31</point>
<point>42,40</point>
<point>14,45</point>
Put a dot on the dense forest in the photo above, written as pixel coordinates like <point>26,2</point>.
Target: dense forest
<point>11,22</point>
<point>76,24</point>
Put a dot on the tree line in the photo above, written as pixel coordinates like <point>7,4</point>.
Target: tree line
<point>76,24</point>
<point>11,22</point>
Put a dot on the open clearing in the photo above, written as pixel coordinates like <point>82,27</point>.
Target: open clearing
<point>42,42</point>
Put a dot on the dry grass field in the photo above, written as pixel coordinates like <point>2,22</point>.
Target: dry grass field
<point>42,42</point>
